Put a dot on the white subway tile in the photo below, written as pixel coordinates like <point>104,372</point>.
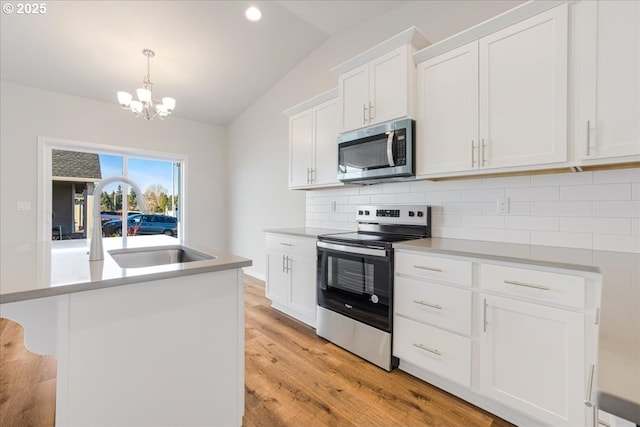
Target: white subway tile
<point>635,226</point>
<point>445,221</point>
<point>420,186</point>
<point>482,221</point>
<point>596,192</point>
<point>617,209</point>
<point>325,207</point>
<point>504,235</point>
<point>442,196</point>
<point>507,182</point>
<point>567,240</point>
<point>333,216</point>
<point>616,175</point>
<point>481,195</point>
<point>371,189</point>
<point>410,198</point>
<point>580,178</point>
<point>635,191</point>
<point>609,242</point>
<point>535,194</point>
<point>396,187</point>
<point>459,184</point>
<point>457,233</point>
<point>378,199</point>
<point>359,200</point>
<point>567,208</point>
<point>347,190</point>
<point>347,209</point>
<point>462,208</point>
<point>543,223</point>
<point>596,225</point>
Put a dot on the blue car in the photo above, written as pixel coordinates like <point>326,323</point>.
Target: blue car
<point>141,224</point>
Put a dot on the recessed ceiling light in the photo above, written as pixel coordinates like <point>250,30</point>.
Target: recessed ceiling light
<point>253,14</point>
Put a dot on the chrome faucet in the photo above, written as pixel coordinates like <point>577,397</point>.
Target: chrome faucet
<point>96,253</point>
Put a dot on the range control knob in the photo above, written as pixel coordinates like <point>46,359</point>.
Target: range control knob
<point>412,213</point>
<point>359,212</point>
<point>366,212</point>
<point>374,298</point>
<point>420,213</point>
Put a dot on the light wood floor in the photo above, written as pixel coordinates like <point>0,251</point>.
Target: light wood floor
<point>292,378</point>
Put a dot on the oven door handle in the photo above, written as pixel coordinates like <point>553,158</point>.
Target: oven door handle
<point>390,148</point>
<point>353,249</point>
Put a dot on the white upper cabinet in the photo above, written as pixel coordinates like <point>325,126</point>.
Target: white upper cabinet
<point>447,129</point>
<point>312,142</point>
<point>377,85</point>
<point>609,113</point>
<point>497,102</point>
<point>523,92</point>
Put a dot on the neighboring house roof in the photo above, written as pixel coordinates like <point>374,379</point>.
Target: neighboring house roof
<point>74,164</point>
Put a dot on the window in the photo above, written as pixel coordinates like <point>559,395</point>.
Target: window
<point>70,172</point>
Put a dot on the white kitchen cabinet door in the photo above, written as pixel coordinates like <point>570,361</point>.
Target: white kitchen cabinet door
<point>277,283</point>
<point>300,149</point>
<point>523,92</point>
<point>303,288</point>
<point>448,112</point>
<point>609,123</point>
<point>325,119</point>
<point>354,98</point>
<point>532,359</point>
<point>389,86</point>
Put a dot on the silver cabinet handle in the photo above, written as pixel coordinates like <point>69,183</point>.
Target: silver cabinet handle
<point>484,316</point>
<point>421,267</point>
<point>484,154</point>
<point>371,116</point>
<point>473,153</point>
<point>587,400</point>
<point>430,350</point>
<point>288,264</point>
<point>308,175</point>
<point>286,244</point>
<point>390,148</point>
<point>428,304</point>
<point>283,261</point>
<point>588,138</point>
<point>364,114</point>
<point>313,175</point>
<point>527,285</point>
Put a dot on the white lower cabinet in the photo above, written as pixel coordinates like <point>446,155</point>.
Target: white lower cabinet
<point>516,339</point>
<point>291,276</point>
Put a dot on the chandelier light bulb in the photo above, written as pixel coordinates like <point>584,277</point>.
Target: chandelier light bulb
<point>145,106</point>
<point>253,14</point>
<point>124,98</point>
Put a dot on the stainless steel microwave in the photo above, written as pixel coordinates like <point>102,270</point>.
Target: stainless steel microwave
<point>380,152</point>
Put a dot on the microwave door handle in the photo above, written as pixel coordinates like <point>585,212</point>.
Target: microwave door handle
<point>390,148</point>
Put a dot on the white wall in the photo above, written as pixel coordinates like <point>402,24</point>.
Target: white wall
<point>28,112</point>
<point>258,139</point>
<point>587,210</point>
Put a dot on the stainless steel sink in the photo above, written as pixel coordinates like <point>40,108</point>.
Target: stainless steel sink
<point>159,255</point>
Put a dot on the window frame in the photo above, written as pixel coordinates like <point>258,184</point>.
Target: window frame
<point>46,145</point>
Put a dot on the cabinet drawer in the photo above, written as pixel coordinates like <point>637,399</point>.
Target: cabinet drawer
<point>433,349</point>
<point>293,245</point>
<point>438,305</point>
<point>556,288</point>
<point>445,269</point>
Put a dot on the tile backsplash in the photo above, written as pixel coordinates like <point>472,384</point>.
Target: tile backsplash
<point>591,210</point>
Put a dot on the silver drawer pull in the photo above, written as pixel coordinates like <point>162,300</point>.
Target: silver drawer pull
<point>286,244</point>
<point>428,304</point>
<point>587,399</point>
<point>421,267</point>
<point>430,350</point>
<point>527,285</point>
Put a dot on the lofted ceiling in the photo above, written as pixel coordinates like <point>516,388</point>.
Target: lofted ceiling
<point>212,60</point>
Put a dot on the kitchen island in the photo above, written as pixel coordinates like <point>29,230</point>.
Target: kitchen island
<point>146,346</point>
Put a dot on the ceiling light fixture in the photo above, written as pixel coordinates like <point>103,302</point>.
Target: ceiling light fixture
<point>145,105</point>
<point>253,14</point>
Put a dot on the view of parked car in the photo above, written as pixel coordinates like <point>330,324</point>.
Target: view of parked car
<point>141,224</point>
<point>113,215</point>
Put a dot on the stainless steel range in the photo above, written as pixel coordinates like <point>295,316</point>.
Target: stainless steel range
<point>355,279</point>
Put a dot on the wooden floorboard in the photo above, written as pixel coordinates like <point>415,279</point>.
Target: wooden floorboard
<point>292,378</point>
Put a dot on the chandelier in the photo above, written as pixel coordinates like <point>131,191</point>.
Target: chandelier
<point>145,105</point>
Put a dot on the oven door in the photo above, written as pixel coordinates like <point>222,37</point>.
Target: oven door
<point>356,282</point>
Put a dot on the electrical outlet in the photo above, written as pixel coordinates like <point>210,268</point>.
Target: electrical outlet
<point>503,205</point>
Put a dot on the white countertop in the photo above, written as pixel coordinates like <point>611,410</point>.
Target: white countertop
<point>36,270</point>
<point>309,232</point>
<point>618,381</point>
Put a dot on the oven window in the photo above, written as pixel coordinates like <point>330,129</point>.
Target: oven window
<point>355,277</point>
